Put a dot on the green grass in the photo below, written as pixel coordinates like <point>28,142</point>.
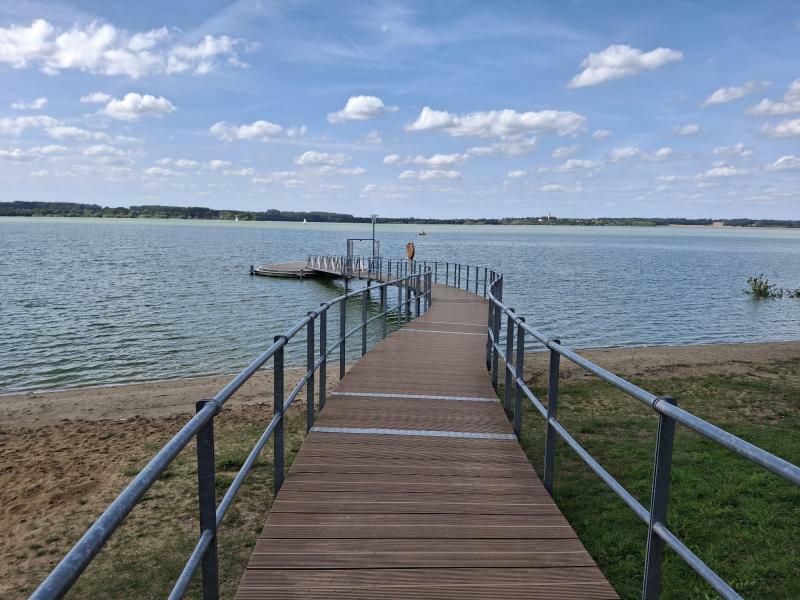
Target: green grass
<point>739,519</point>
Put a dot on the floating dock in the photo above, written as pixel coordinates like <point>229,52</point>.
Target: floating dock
<point>295,269</point>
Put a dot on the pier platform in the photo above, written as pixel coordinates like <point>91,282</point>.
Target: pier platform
<point>411,484</point>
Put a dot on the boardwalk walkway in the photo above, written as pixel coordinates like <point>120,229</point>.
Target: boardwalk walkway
<point>412,485</point>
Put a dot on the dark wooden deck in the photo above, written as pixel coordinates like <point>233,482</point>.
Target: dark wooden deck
<point>412,485</point>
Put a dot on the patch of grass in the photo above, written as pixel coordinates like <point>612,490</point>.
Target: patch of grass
<point>741,520</point>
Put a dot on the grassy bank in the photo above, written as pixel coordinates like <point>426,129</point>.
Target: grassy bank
<point>742,521</point>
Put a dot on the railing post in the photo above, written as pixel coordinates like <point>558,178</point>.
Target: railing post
<point>467,286</point>
<point>496,333</point>
<point>385,318</point>
<point>407,301</point>
<point>417,290</point>
<point>519,368</point>
<point>552,414</point>
<point>507,389</point>
<point>310,355</point>
<point>658,503</point>
<point>277,408</point>
<point>400,302</point>
<point>489,331</point>
<point>485,273</point>
<point>342,341</point>
<point>364,300</point>
<point>447,274</point>
<point>207,503</point>
<point>323,352</point>
<point>476,281</point>
<point>436,272</point>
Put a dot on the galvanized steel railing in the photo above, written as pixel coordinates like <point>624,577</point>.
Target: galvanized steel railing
<point>414,297</point>
<point>658,532</point>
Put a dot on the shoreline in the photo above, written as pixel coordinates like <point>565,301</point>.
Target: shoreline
<point>170,397</point>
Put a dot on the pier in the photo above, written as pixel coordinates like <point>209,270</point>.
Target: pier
<point>411,482</point>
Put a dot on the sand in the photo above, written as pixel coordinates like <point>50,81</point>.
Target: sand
<point>64,455</point>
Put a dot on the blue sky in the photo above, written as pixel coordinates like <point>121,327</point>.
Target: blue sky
<point>458,109</point>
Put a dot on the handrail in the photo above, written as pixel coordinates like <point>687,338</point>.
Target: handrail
<point>658,534</point>
<point>415,287</point>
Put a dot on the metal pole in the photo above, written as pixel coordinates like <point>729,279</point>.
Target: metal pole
<point>417,291</point>
<point>489,331</point>
<point>519,367</point>
<point>496,332</point>
<point>385,318</point>
<point>436,272</point>
<point>447,275</point>
<point>552,414</point>
<point>310,355</point>
<point>400,303</point>
<point>658,503</point>
<point>323,352</point>
<point>342,340</point>
<point>467,286</point>
<point>277,408</point>
<point>364,300</point>
<point>485,270</point>
<point>507,390</point>
<point>207,503</point>
<point>476,281</point>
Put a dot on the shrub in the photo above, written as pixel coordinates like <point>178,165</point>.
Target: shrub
<point>760,287</point>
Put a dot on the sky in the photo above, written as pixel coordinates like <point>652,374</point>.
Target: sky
<point>427,109</point>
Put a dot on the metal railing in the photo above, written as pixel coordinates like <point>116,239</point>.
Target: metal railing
<point>414,297</point>
<point>658,532</point>
<point>414,281</point>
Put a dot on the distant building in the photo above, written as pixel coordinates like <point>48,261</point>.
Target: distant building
<point>718,224</point>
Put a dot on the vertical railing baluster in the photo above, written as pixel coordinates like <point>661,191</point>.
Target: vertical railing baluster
<point>342,340</point>
<point>552,414</point>
<point>507,389</point>
<point>310,356</point>
<point>400,303</point>
<point>364,301</point>
<point>467,286</point>
<point>485,273</point>
<point>417,289</point>
<point>496,331</point>
<point>323,352</point>
<point>447,274</point>
<point>207,502</point>
<point>277,408</point>
<point>519,368</point>
<point>476,281</point>
<point>659,498</point>
<point>385,318</point>
<point>489,331</point>
<point>436,272</point>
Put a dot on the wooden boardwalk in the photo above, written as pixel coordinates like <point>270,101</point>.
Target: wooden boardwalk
<point>412,485</point>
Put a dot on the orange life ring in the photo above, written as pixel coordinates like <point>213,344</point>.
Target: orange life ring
<point>410,250</point>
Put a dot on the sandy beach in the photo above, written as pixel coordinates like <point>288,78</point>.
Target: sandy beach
<point>66,454</point>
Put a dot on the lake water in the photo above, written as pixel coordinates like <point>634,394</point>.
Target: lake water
<point>99,301</point>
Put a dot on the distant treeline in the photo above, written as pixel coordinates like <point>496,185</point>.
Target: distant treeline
<point>153,211</point>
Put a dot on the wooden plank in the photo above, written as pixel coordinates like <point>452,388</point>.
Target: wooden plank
<point>411,516</point>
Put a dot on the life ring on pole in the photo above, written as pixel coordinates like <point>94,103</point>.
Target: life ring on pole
<point>410,250</point>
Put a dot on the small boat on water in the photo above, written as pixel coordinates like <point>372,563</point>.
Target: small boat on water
<point>236,219</point>
<point>422,232</point>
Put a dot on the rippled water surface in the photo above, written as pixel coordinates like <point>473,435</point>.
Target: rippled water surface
<point>96,301</point>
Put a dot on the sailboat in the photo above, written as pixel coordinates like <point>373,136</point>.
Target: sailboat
<point>304,221</point>
<point>236,219</point>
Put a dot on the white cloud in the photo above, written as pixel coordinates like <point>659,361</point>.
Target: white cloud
<point>573,165</point>
<point>393,159</point>
<point>313,157</point>
<point>557,187</point>
<point>102,149</point>
<point>262,131</point>
<point>601,134</point>
<point>430,174</point>
<point>161,172</point>
<point>625,153</point>
<point>183,163</point>
<point>660,154</point>
<point>788,128</point>
<point>671,178</point>
<point>437,161</point>
<point>372,138</point>
<point>723,170</point>
<point>216,164</point>
<point>261,180</point>
<point>135,106</point>
<point>618,61</point>
<point>516,174</point>
<point>498,123</point>
<point>785,163</point>
<point>15,126</point>
<point>69,132</point>
<point>96,98</point>
<point>102,48</point>
<point>688,129</point>
<point>726,94</point>
<point>565,151</point>
<point>789,105</point>
<point>360,108</point>
<point>17,155</point>
<point>735,150</point>
<point>37,104</point>
<point>247,172</point>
